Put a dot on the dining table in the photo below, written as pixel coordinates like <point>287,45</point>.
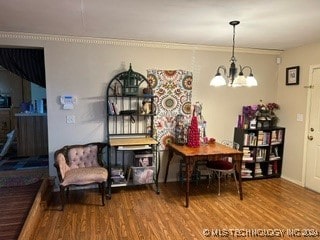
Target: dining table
<point>210,152</point>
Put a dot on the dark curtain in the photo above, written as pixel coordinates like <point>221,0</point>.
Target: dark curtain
<point>26,63</point>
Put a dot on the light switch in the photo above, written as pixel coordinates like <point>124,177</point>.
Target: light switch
<point>299,117</point>
<point>71,119</point>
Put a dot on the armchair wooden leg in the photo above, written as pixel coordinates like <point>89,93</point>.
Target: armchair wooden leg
<point>62,197</point>
<point>102,187</point>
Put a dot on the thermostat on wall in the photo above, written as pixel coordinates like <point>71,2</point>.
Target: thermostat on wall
<point>67,101</point>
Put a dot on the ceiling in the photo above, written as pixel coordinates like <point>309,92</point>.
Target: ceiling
<point>265,24</point>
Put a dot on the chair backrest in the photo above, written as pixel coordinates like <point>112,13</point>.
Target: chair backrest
<point>78,156</point>
<point>87,155</point>
<point>83,156</point>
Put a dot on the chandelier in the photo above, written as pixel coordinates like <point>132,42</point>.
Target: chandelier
<point>234,80</point>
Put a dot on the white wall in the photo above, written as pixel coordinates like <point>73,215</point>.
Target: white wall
<point>293,100</point>
<point>82,67</point>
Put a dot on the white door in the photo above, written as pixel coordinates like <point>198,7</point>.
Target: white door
<point>313,142</point>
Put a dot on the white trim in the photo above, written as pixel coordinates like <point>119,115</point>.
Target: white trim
<point>307,124</point>
<point>130,43</point>
<point>292,180</point>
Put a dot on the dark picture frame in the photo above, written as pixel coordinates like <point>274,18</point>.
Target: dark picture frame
<point>292,75</point>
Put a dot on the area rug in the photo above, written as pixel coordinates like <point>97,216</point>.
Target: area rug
<point>16,181</point>
<point>20,163</point>
<point>22,177</point>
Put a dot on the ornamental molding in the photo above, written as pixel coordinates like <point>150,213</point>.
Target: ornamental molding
<point>128,43</point>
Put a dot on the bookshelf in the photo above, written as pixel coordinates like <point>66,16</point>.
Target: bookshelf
<point>262,151</point>
<point>132,148</point>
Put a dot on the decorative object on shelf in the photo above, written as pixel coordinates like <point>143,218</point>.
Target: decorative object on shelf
<point>116,89</point>
<point>253,124</point>
<point>266,116</point>
<point>201,122</point>
<point>172,92</point>
<point>131,82</point>
<point>292,75</point>
<point>147,91</point>
<point>146,107</point>
<point>263,114</point>
<point>180,130</point>
<point>248,113</point>
<point>193,133</point>
<point>234,80</point>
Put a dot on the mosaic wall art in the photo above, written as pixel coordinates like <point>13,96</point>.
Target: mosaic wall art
<point>172,90</point>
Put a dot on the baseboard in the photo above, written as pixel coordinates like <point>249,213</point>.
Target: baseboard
<point>292,180</point>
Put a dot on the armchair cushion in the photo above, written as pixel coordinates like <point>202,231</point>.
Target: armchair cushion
<point>85,175</point>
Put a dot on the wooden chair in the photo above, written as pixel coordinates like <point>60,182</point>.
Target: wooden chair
<point>81,165</point>
<point>222,168</point>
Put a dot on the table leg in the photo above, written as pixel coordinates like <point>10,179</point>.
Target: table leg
<point>190,161</point>
<point>170,155</point>
<point>239,166</point>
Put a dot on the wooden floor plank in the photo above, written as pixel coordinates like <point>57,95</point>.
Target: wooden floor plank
<point>15,203</point>
<point>139,213</point>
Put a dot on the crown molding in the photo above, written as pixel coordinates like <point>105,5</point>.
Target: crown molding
<point>129,43</point>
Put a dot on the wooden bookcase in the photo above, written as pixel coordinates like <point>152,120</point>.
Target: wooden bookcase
<point>262,151</point>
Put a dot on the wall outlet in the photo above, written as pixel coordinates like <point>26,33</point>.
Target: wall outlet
<point>71,119</point>
<point>300,117</point>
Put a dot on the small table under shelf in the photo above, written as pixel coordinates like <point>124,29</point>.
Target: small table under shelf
<point>132,144</point>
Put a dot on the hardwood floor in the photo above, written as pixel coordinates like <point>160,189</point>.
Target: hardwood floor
<point>15,203</point>
<point>139,213</point>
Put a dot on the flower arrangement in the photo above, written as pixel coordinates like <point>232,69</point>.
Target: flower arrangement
<point>261,112</point>
<point>266,112</point>
<point>249,112</point>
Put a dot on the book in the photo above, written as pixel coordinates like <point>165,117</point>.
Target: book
<point>115,108</point>
<point>110,108</point>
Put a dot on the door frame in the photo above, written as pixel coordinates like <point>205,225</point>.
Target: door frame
<point>307,124</point>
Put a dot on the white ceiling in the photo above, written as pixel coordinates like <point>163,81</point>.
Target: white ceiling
<point>265,24</point>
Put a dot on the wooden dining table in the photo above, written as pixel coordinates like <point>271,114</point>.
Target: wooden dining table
<point>210,152</point>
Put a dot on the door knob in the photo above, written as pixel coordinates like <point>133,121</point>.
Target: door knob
<point>311,129</point>
<point>310,138</point>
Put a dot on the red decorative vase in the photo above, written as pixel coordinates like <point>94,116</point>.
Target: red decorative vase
<point>193,133</point>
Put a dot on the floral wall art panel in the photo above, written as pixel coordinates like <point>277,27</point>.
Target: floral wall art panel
<point>172,90</point>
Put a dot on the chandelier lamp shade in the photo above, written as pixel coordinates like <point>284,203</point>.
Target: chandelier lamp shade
<point>234,79</point>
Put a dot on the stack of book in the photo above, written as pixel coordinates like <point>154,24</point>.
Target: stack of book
<point>258,171</point>
<point>246,155</point>
<point>270,167</point>
<point>245,172</point>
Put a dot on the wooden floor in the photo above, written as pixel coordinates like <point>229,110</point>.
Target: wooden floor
<point>139,213</point>
<point>15,203</point>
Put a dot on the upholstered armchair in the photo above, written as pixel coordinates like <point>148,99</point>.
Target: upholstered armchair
<point>80,165</point>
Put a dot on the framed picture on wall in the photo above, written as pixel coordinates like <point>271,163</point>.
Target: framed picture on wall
<point>292,75</point>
